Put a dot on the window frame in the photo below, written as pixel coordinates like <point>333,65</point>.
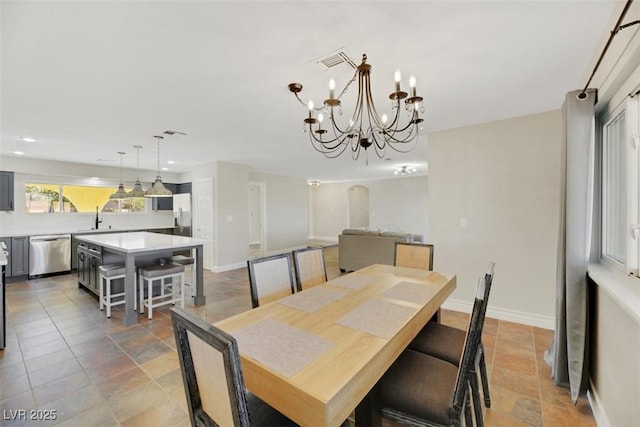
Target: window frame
<point>631,144</point>
<point>61,185</point>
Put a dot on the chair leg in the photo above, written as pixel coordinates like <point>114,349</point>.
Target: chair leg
<point>150,296</point>
<point>101,293</point>
<point>141,296</point>
<point>484,378</point>
<point>475,395</point>
<point>108,284</point>
<point>468,417</point>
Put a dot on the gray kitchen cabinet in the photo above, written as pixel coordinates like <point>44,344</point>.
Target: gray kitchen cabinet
<point>7,242</point>
<point>19,256</point>
<point>164,203</point>
<point>89,260</point>
<point>6,191</point>
<point>74,252</point>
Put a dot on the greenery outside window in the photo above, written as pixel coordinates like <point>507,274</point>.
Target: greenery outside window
<point>46,198</point>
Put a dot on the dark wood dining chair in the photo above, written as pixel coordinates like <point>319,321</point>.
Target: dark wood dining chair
<point>422,390</point>
<point>447,343</point>
<point>413,255</point>
<point>212,377</point>
<point>309,267</point>
<point>270,278</point>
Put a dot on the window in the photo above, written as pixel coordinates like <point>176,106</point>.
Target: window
<point>45,198</point>
<point>620,186</point>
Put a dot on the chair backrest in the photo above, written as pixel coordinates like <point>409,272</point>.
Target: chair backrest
<point>211,372</point>
<point>488,276</point>
<point>270,278</point>
<point>413,255</point>
<point>309,267</point>
<point>467,359</point>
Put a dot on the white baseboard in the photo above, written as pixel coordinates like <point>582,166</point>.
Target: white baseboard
<point>228,267</point>
<point>530,319</point>
<point>327,238</point>
<point>596,407</point>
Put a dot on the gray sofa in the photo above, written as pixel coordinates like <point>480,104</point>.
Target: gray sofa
<point>360,248</point>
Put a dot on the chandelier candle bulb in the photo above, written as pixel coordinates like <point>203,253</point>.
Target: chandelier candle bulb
<point>412,83</point>
<point>332,86</point>
<point>397,77</point>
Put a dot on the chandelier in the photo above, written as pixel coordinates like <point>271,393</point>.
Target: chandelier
<point>365,127</point>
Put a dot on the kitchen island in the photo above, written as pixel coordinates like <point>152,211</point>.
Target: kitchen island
<point>142,248</point>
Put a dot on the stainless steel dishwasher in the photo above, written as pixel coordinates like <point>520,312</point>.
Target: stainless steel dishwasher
<point>49,254</point>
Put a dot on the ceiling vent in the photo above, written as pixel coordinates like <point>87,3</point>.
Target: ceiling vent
<point>334,59</point>
<point>173,132</point>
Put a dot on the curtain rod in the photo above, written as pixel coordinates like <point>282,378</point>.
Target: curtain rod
<point>619,26</point>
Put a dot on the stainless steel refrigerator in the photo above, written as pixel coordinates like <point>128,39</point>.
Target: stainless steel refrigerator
<point>182,214</point>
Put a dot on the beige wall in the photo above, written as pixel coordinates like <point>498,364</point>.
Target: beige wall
<point>615,367</point>
<point>287,211</point>
<point>398,204</point>
<point>503,178</point>
<point>232,214</point>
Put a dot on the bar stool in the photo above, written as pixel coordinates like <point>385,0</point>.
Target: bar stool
<point>109,273</point>
<point>169,293</point>
<point>187,260</point>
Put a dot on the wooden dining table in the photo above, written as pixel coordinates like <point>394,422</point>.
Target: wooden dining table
<point>316,355</point>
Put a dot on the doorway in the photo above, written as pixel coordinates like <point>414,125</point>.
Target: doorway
<point>257,219</point>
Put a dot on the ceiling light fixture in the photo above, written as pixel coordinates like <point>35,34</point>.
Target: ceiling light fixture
<point>313,183</point>
<point>365,128</point>
<point>404,170</point>
<point>121,194</point>
<point>27,139</point>
<point>137,191</point>
<point>158,189</point>
<point>19,153</point>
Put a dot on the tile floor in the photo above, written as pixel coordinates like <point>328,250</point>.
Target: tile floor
<point>64,355</point>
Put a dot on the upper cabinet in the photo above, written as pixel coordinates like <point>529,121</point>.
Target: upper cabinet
<point>166,203</point>
<point>6,191</point>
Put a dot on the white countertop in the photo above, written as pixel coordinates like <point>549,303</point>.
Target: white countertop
<point>140,241</point>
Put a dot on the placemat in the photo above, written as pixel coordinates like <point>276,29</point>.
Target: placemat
<point>281,347</point>
<point>404,271</point>
<point>353,281</point>
<point>380,318</point>
<point>410,292</point>
<point>313,299</point>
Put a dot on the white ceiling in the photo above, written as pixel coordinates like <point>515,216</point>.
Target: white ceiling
<point>88,79</point>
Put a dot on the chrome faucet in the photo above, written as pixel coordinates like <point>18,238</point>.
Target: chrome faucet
<point>98,220</point>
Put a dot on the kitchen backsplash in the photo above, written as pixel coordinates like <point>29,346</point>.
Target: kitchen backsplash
<point>21,224</point>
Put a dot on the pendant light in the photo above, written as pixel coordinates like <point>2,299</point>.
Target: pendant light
<point>158,189</point>
<point>121,194</point>
<point>137,192</point>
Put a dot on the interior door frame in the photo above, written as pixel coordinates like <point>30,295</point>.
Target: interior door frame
<point>263,212</point>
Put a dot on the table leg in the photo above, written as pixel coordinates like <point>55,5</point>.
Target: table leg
<point>200,298</point>
<point>368,410</point>
<point>130,315</point>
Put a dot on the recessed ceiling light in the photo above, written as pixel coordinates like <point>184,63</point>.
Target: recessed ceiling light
<point>165,169</point>
<point>171,162</point>
<point>27,139</point>
<point>19,153</point>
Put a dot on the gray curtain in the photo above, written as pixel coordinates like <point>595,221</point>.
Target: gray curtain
<point>568,354</point>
